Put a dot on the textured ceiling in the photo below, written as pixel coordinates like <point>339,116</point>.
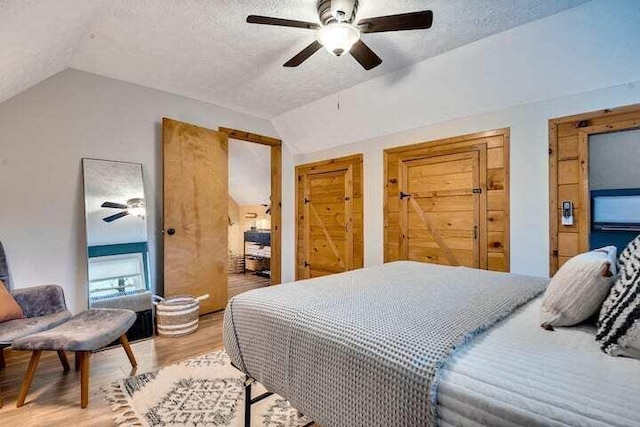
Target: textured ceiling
<point>38,39</point>
<point>203,48</point>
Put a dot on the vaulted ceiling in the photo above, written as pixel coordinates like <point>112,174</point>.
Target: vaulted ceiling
<point>203,49</point>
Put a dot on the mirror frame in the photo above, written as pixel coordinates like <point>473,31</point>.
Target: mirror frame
<point>146,255</point>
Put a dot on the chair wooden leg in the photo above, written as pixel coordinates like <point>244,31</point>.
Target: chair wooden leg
<point>127,348</point>
<point>2,364</point>
<point>84,357</point>
<point>28,378</point>
<point>63,360</point>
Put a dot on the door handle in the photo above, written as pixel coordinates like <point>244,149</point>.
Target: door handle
<point>171,231</point>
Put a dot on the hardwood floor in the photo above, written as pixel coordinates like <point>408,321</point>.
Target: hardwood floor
<point>239,283</point>
<point>54,396</point>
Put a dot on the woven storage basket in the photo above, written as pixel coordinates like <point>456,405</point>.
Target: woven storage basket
<point>178,316</point>
<point>235,264</point>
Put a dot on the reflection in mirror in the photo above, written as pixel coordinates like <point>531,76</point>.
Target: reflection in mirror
<point>117,244</point>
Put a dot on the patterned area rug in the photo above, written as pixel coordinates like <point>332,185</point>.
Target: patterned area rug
<point>205,391</point>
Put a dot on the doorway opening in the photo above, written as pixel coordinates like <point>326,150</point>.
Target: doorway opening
<point>254,211</point>
<point>249,247</point>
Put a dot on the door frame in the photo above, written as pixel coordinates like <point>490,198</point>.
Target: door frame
<point>348,163</point>
<point>588,124</point>
<point>468,142</point>
<point>276,193</point>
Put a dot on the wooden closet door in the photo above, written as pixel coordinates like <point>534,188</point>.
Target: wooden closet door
<point>443,206</point>
<point>440,209</point>
<point>328,235</point>
<point>196,181</point>
<point>329,218</point>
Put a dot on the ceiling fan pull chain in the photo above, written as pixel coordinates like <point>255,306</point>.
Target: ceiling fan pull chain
<point>340,85</point>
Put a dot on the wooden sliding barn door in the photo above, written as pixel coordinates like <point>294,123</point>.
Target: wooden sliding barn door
<point>447,201</point>
<point>329,217</point>
<point>440,209</point>
<point>196,180</point>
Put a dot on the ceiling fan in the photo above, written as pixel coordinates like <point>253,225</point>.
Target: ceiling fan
<point>133,207</point>
<point>340,33</point>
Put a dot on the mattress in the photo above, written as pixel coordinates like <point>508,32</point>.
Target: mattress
<point>518,374</point>
<point>364,347</point>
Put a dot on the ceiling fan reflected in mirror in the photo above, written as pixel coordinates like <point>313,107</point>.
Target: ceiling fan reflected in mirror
<point>340,33</point>
<point>133,207</point>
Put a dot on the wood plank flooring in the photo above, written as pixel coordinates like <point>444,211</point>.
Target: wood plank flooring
<point>239,283</point>
<point>54,397</point>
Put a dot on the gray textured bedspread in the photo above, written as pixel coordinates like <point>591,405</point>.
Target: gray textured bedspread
<point>365,348</point>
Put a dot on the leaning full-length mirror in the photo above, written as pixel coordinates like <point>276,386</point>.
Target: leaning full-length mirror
<point>117,244</point>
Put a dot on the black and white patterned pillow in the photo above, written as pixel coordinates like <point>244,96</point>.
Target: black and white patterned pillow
<point>618,285</point>
<point>632,247</point>
<point>619,321</point>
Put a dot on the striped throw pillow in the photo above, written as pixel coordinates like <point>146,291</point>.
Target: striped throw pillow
<point>633,246</point>
<point>619,321</point>
<point>619,285</point>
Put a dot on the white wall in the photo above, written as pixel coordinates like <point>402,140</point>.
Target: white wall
<point>529,169</point>
<point>45,131</point>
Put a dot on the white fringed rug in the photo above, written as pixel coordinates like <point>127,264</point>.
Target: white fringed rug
<point>204,391</point>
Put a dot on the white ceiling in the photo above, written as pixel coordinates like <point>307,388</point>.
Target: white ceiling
<point>204,49</point>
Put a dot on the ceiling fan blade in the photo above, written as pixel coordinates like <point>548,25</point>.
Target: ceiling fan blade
<point>116,216</point>
<point>365,56</point>
<point>404,21</point>
<point>266,20</point>
<point>303,55</point>
<point>113,205</point>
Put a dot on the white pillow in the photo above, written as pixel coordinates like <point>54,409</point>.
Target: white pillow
<point>578,289</point>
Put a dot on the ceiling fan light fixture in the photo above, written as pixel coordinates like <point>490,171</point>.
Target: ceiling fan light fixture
<point>338,37</point>
<point>136,207</point>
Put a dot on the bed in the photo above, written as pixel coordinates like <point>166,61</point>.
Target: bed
<point>410,344</point>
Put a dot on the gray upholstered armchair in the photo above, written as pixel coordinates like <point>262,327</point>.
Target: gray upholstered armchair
<point>43,307</point>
